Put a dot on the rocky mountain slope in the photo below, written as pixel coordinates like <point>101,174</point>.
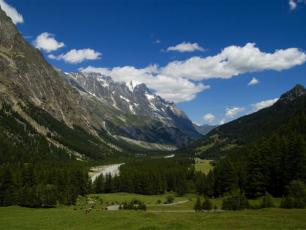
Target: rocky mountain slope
<point>136,101</point>
<point>72,113</point>
<point>248,129</point>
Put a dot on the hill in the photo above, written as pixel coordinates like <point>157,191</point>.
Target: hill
<point>250,128</point>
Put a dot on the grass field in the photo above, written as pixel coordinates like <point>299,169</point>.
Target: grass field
<point>68,218</point>
<point>179,215</point>
<point>203,165</point>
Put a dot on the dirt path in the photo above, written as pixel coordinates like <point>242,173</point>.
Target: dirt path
<point>175,203</point>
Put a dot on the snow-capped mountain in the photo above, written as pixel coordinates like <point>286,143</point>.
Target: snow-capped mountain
<point>132,99</point>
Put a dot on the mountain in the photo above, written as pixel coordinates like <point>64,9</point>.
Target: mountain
<point>204,129</point>
<point>135,104</point>
<point>250,128</point>
<point>73,116</point>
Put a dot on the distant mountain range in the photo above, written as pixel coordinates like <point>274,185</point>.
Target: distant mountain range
<point>86,114</point>
<point>204,129</point>
<point>248,129</point>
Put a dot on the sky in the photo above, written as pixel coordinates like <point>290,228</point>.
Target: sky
<point>217,59</point>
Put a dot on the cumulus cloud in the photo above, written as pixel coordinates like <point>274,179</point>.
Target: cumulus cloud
<point>180,81</point>
<point>47,42</point>
<point>233,111</point>
<point>185,47</point>
<point>254,81</point>
<point>234,60</point>
<point>11,12</point>
<point>222,122</point>
<point>77,56</point>
<point>292,4</point>
<point>209,117</point>
<point>172,89</point>
<point>264,104</point>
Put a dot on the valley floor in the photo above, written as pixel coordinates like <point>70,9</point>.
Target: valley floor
<point>178,215</point>
<point>68,218</point>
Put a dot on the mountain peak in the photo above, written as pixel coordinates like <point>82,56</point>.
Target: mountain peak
<point>294,93</point>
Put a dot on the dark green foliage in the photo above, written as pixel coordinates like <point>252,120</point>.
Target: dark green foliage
<point>296,196</point>
<point>21,143</point>
<point>288,202</point>
<point>249,129</point>
<point>267,166</point>
<point>134,205</point>
<point>75,138</point>
<point>207,205</point>
<point>198,206</point>
<point>169,199</point>
<point>149,177</point>
<point>236,201</point>
<point>267,201</point>
<point>42,184</point>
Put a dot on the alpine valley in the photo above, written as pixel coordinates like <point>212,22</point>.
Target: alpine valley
<point>82,150</point>
<point>85,114</point>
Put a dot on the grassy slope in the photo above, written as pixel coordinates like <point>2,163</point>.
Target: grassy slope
<point>203,165</point>
<point>67,218</point>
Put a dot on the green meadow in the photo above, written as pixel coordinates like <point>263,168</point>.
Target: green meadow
<point>68,218</point>
<point>178,215</point>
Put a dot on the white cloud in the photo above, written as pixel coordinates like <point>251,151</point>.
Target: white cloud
<point>47,42</point>
<point>254,81</point>
<point>186,47</point>
<point>292,4</point>
<point>11,12</point>
<point>209,117</point>
<point>264,104</point>
<point>234,60</point>
<point>172,89</point>
<point>179,81</point>
<point>222,122</point>
<point>77,56</point>
<point>233,111</point>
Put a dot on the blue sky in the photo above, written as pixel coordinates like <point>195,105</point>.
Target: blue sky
<point>147,41</point>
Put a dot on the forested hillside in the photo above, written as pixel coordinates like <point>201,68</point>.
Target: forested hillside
<point>250,128</point>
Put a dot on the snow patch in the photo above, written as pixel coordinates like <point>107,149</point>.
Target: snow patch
<point>124,98</point>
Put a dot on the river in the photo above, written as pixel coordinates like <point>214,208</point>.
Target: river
<point>112,169</point>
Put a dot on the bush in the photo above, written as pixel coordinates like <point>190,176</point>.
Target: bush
<point>235,202</point>
<point>287,202</point>
<point>267,201</point>
<point>296,197</point>
<point>169,199</point>
<point>133,205</point>
<point>197,206</point>
<point>207,205</point>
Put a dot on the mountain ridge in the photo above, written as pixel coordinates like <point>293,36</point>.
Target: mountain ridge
<point>29,83</point>
<point>247,129</point>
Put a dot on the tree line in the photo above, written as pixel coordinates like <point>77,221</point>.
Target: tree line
<point>42,184</point>
<point>267,166</point>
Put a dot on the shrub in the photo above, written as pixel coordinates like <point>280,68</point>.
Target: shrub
<point>169,199</point>
<point>235,202</point>
<point>207,205</point>
<point>134,205</point>
<point>287,202</point>
<point>296,197</point>
<point>267,201</point>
